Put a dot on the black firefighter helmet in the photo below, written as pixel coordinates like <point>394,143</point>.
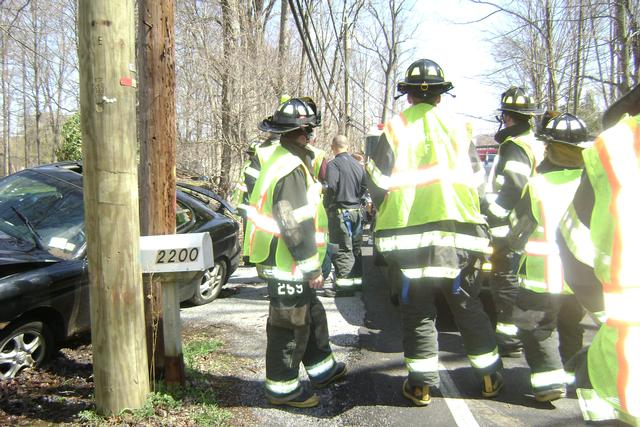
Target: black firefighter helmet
<point>566,129</point>
<point>294,113</point>
<point>517,100</point>
<point>424,78</point>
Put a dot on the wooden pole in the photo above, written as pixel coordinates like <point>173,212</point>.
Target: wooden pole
<point>108,105</point>
<point>157,114</point>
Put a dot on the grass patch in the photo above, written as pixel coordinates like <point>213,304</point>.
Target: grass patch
<point>195,403</point>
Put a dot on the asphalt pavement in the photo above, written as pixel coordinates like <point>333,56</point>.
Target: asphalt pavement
<point>365,332</point>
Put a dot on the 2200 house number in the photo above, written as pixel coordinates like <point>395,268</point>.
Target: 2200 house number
<point>177,255</point>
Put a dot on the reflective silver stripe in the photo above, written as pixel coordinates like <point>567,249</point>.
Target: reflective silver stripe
<point>378,178</point>
<point>241,186</point>
<point>348,282</point>
<point>263,222</point>
<point>282,387</point>
<point>594,408</point>
<point>482,361</point>
<point>498,210</point>
<point>538,248</point>
<point>419,273</point>
<point>321,367</point>
<point>309,264</point>
<point>577,236</point>
<point>479,178</point>
<point>267,272</point>
<point>500,180</point>
<point>432,238</point>
<point>357,280</point>
<point>518,168</point>
<point>601,316</point>
<point>508,329</point>
<point>422,365</point>
<point>500,231</point>
<point>252,172</point>
<point>545,379</point>
<point>623,306</point>
<point>304,213</point>
<point>569,378</point>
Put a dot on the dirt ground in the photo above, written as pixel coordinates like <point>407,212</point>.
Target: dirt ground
<point>62,389</point>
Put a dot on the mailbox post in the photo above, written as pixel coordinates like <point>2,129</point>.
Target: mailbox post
<point>175,258</point>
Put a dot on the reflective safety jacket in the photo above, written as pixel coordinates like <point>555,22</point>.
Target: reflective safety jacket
<point>613,168</point>
<point>319,156</point>
<point>264,243</point>
<point>548,196</point>
<point>517,159</point>
<point>431,204</point>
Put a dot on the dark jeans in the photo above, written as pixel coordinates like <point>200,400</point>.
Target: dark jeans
<point>504,289</point>
<point>345,231</point>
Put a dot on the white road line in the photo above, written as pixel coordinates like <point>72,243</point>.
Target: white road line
<point>457,406</point>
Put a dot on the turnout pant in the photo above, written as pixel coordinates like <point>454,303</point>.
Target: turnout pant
<point>551,334</point>
<point>345,231</point>
<point>504,289</point>
<point>420,338</point>
<point>296,332</point>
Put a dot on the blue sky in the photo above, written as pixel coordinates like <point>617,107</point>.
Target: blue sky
<point>463,54</point>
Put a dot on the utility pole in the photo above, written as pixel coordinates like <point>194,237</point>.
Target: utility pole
<point>108,104</point>
<point>157,113</point>
<point>347,100</point>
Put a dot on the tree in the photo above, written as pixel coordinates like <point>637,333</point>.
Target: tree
<point>71,134</point>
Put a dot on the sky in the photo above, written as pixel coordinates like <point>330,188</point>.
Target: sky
<point>463,53</point>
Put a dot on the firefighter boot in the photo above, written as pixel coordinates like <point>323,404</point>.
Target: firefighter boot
<point>418,395</point>
<point>491,385</point>
<point>300,399</point>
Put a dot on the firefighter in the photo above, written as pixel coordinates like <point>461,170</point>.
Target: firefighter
<point>345,188</point>
<point>545,306</point>
<point>599,241</point>
<point>518,156</point>
<point>430,231</point>
<point>286,239</point>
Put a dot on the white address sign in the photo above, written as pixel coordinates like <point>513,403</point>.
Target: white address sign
<point>176,252</point>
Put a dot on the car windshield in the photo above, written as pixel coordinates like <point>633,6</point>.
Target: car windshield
<point>39,209</point>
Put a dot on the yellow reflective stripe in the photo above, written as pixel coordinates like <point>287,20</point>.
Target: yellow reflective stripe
<point>500,231</point>
<point>419,273</point>
<point>432,238</point>
<point>304,213</point>
<point>321,367</point>
<point>594,408</point>
<point>569,378</point>
<point>518,168</point>
<point>422,365</point>
<point>482,361</point>
<point>623,306</point>
<point>577,236</point>
<point>498,210</point>
<point>252,172</point>
<point>309,264</point>
<point>545,379</point>
<point>357,280</point>
<point>508,329</point>
<point>282,387</point>
<point>263,222</point>
<point>268,272</point>
<point>486,266</point>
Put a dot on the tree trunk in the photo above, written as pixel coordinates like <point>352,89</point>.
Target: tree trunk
<point>157,133</point>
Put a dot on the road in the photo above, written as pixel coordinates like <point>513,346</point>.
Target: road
<point>365,332</point>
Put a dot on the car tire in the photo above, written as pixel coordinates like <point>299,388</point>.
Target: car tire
<point>26,344</point>
<point>211,284</point>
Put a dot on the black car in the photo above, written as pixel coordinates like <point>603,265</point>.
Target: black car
<point>44,292</point>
